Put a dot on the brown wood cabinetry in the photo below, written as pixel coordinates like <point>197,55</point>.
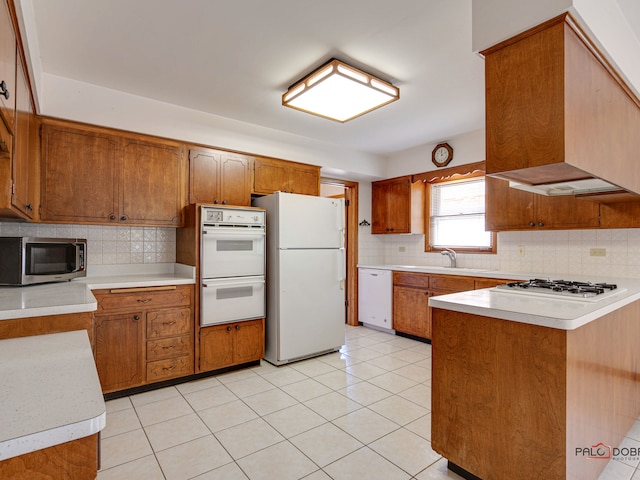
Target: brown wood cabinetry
<point>217,176</point>
<point>411,293</point>
<point>397,206</point>
<point>272,175</point>
<point>554,110</point>
<point>511,209</point>
<point>95,175</point>
<point>28,326</point>
<point>18,164</point>
<point>143,335</point>
<point>231,344</point>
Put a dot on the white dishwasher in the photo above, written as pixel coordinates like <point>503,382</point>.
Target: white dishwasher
<point>375,293</point>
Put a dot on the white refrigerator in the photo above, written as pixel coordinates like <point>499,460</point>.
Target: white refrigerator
<point>305,276</point>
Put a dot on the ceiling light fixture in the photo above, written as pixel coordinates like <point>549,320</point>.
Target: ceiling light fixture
<point>339,92</point>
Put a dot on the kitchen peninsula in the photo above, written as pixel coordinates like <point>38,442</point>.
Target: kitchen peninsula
<point>526,386</point>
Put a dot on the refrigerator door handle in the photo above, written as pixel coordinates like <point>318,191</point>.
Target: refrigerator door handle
<point>341,268</point>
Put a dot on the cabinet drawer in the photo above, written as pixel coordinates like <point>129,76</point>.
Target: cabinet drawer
<point>168,323</point>
<point>451,283</point>
<point>172,367</point>
<point>127,298</point>
<point>169,347</point>
<point>420,280</point>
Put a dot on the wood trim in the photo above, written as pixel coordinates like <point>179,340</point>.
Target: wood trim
<point>351,195</point>
<point>66,322</point>
<point>447,174</point>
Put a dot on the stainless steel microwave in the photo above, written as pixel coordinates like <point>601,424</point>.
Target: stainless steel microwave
<point>29,260</point>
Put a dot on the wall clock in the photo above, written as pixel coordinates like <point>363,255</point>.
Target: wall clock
<point>442,155</point>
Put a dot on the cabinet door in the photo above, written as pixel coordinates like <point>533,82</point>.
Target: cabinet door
<point>304,179</point>
<point>235,179</point>
<point>216,347</point>
<point>566,213</point>
<point>7,66</point>
<point>204,176</point>
<point>507,208</point>
<point>152,184</point>
<point>249,341</point>
<point>270,175</point>
<point>411,311</point>
<point>79,182</point>
<point>391,206</point>
<point>24,160</point>
<point>119,341</point>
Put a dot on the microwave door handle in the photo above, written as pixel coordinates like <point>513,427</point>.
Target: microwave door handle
<point>77,256</point>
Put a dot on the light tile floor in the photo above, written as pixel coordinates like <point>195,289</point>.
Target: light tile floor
<point>361,413</point>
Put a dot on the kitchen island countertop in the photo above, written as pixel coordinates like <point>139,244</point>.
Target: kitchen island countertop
<point>50,392</point>
<point>75,296</point>
<point>563,314</point>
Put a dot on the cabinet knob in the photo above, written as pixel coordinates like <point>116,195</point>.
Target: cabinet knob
<point>29,207</point>
<point>216,201</point>
<point>124,218</point>
<point>292,191</point>
<point>237,327</point>
<point>112,217</point>
<point>532,224</point>
<point>228,329</point>
<point>541,224</point>
<point>224,202</point>
<point>3,90</point>
<point>136,317</point>
<point>286,191</point>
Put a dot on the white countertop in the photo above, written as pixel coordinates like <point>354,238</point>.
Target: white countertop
<point>564,314</point>
<point>49,392</point>
<point>76,297</point>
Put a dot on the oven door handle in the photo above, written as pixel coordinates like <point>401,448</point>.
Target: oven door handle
<point>233,283</point>
<point>245,234</point>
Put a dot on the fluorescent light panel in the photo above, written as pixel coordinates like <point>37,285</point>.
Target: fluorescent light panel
<point>339,92</point>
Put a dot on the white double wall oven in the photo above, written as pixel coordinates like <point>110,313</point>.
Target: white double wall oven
<point>232,264</point>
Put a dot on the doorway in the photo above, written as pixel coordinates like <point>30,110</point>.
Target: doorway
<point>349,192</point>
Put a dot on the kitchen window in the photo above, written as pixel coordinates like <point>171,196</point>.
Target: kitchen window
<point>456,213</point>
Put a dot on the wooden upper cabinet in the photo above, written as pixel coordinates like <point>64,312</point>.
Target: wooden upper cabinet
<point>397,206</point>
<point>217,176</point>
<point>152,186</point>
<point>93,175</point>
<point>7,67</point>
<point>511,209</point>
<point>555,110</point>
<point>272,175</point>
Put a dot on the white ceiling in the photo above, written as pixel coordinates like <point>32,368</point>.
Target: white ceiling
<point>235,58</point>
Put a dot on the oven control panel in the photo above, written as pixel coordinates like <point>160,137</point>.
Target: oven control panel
<point>232,216</point>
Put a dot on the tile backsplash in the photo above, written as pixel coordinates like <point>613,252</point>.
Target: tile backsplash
<point>107,245</point>
<point>594,253</point>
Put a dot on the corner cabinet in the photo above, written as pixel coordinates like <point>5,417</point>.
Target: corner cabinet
<point>272,175</point>
<point>231,344</point>
<point>511,209</point>
<point>397,206</point>
<point>143,335</point>
<point>219,177</point>
<point>94,175</point>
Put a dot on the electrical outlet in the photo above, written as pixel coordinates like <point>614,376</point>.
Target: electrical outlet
<point>402,249</point>
<point>598,252</point>
<point>521,250</point>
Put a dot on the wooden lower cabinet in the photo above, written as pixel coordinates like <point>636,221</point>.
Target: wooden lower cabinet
<point>231,344</point>
<point>411,293</point>
<point>66,322</point>
<point>147,344</point>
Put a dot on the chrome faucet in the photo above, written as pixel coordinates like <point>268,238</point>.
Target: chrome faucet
<point>452,256</point>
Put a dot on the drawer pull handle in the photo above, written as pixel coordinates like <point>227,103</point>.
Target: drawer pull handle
<point>169,323</point>
<point>172,367</point>
<point>169,347</point>
<point>144,300</point>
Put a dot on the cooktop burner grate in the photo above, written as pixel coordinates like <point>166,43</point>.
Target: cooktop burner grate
<point>564,288</point>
